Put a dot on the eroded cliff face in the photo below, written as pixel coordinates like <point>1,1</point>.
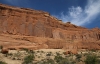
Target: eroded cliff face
<point>27,22</point>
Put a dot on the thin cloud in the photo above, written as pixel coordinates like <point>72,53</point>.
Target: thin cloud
<point>79,16</point>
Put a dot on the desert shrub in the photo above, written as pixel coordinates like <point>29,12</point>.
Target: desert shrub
<point>93,50</point>
<point>28,51</point>
<point>58,58</point>
<point>38,56</point>
<point>1,62</point>
<point>64,53</point>
<point>42,51</point>
<point>45,61</point>
<point>25,49</point>
<point>61,60</point>
<point>58,54</point>
<point>50,61</point>
<point>91,59</point>
<point>64,61</point>
<point>49,54</point>
<point>10,54</point>
<point>78,56</point>
<point>28,59</point>
<point>31,52</point>
<point>38,51</point>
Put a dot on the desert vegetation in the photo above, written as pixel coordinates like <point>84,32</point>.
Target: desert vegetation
<point>25,56</point>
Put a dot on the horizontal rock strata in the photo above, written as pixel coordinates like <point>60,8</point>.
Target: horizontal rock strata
<point>41,25</point>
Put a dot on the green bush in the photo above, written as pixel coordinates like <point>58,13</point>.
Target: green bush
<point>58,58</point>
<point>1,62</point>
<point>28,59</point>
<point>61,60</point>
<point>91,59</point>
<point>64,61</point>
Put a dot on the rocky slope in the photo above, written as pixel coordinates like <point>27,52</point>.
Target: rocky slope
<point>44,30</point>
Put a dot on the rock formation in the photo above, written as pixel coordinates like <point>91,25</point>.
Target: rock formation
<point>46,30</point>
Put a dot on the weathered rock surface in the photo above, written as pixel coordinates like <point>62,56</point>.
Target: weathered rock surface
<point>45,30</point>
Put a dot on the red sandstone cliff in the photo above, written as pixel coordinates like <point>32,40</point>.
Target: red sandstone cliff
<point>28,22</point>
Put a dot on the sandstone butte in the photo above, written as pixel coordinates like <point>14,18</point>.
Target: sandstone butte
<point>34,29</point>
